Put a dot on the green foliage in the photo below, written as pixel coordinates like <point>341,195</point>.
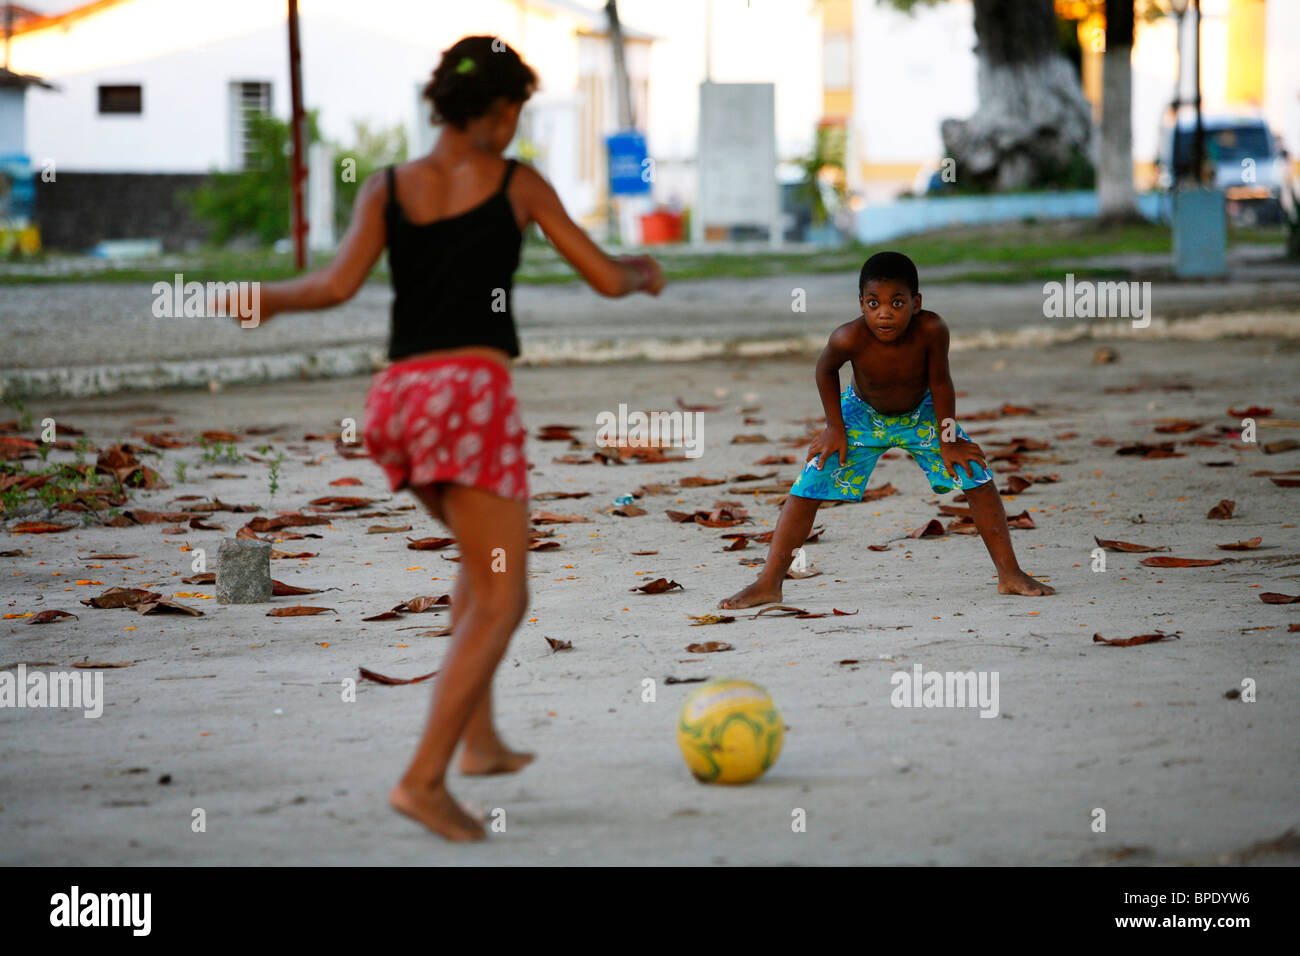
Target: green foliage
<point>253,202</point>
<point>828,153</point>
<point>372,149</point>
<point>273,474</point>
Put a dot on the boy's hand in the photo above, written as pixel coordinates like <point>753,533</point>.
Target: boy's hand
<point>960,454</point>
<point>829,443</point>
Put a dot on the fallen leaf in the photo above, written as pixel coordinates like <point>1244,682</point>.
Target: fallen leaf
<point>40,527</point>
<point>628,511</point>
<point>1132,641</point>
<point>1223,510</point>
<point>428,544</point>
<point>1247,545</point>
<point>419,605</point>
<point>930,530</point>
<point>165,606</point>
<point>1254,411</point>
<point>551,517</point>
<point>553,495</point>
<point>209,577</point>
<point>384,529</point>
<point>657,586</point>
<point>781,610</point>
<point>101,664</point>
<point>1180,562</point>
<point>299,610</point>
<point>383,679</point>
<point>121,597</point>
<point>1126,546</point>
<point>709,647</point>
<point>344,482</point>
<point>48,617</point>
<point>699,620</point>
<point>559,645</point>
<point>279,588</point>
<point>1272,597</point>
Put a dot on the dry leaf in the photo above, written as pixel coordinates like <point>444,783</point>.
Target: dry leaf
<point>699,620</point>
<point>50,616</point>
<point>1272,597</point>
<point>382,679</point>
<point>1223,510</point>
<point>1247,545</point>
<point>1180,562</point>
<point>559,645</point>
<point>101,664</point>
<point>1132,641</point>
<point>299,610</point>
<point>657,586</point>
<point>1126,546</point>
<point>429,544</point>
<point>708,647</point>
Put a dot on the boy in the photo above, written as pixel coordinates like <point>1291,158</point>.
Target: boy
<point>900,396</point>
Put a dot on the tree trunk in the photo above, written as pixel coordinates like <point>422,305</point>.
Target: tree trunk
<point>1033,121</point>
<point>1115,193</point>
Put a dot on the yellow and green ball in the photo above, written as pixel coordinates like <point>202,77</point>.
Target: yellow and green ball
<point>729,731</point>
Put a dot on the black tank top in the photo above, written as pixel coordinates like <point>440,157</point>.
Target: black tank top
<point>452,278</point>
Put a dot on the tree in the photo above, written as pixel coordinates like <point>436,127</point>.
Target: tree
<point>1116,195</point>
<point>253,202</point>
<point>1033,125</point>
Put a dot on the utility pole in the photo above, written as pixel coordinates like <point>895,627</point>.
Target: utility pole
<point>297,165</point>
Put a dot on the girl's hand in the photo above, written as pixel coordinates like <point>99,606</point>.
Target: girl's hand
<point>828,444</point>
<point>652,277</point>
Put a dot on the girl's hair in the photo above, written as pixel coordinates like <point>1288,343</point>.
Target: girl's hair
<point>474,73</point>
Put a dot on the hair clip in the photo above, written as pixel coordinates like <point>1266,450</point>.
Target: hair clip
<point>466,65</point>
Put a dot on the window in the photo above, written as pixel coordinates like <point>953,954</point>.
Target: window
<point>246,98</point>
<point>121,99</point>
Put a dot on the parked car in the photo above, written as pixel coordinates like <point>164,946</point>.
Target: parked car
<point>1249,163</point>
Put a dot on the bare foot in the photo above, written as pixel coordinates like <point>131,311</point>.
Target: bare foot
<point>754,595</point>
<point>438,811</point>
<point>500,759</point>
<point>1020,583</point>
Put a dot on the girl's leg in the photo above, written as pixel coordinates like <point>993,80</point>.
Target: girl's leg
<point>484,752</point>
<point>492,533</point>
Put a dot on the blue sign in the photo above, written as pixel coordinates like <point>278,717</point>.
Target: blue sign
<point>629,169</point>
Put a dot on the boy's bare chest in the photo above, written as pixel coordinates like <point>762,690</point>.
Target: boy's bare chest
<point>886,368</point>
<point>891,380</point>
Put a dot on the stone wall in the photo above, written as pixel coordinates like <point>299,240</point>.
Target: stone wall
<point>78,210</point>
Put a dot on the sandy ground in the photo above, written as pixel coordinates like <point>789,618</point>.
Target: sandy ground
<point>244,712</point>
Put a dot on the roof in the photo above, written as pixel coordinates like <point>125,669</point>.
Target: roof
<point>27,20</point>
<point>23,80</point>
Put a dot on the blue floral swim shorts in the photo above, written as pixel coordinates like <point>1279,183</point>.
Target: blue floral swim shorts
<point>870,435</point>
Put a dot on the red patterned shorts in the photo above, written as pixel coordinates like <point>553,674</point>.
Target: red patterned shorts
<point>447,419</point>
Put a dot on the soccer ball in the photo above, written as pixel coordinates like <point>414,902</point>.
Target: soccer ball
<point>729,731</point>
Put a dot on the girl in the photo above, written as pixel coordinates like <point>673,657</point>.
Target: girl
<point>442,419</point>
